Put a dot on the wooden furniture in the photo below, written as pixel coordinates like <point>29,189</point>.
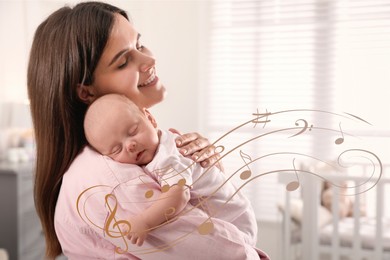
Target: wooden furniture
<point>20,229</point>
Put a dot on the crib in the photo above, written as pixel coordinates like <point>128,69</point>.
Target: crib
<point>311,232</point>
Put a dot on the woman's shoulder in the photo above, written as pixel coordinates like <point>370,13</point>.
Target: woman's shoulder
<point>89,164</point>
<point>87,161</point>
<point>88,155</point>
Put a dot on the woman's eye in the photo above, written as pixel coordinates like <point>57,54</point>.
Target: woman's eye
<point>123,64</point>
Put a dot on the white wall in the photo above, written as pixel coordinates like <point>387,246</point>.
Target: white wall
<point>172,29</point>
<point>169,28</point>
<point>13,50</point>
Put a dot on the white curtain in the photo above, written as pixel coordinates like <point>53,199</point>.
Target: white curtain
<point>315,57</point>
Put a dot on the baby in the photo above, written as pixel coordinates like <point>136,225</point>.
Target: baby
<point>117,128</point>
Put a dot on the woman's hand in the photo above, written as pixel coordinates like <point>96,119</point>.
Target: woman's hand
<point>198,148</point>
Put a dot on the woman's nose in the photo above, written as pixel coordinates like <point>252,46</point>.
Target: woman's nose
<point>147,62</point>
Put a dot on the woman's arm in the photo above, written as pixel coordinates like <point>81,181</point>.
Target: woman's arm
<point>167,205</point>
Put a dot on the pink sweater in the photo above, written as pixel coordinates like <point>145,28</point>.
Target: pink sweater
<point>97,192</point>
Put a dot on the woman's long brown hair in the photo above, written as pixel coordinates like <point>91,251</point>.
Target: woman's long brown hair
<point>65,51</point>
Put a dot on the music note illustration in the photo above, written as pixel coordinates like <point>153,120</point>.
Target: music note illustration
<point>219,149</point>
<point>340,140</point>
<point>165,187</point>
<point>123,226</point>
<point>182,182</point>
<point>259,116</point>
<point>161,172</point>
<point>247,173</point>
<point>148,193</point>
<point>169,172</point>
<point>305,126</point>
<point>208,226</point>
<point>294,184</point>
<point>169,213</point>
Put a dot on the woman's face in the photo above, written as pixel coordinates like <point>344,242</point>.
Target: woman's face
<point>126,67</point>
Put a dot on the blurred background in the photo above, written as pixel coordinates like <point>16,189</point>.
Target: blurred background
<point>320,66</point>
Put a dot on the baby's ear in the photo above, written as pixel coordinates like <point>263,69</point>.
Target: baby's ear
<point>150,117</point>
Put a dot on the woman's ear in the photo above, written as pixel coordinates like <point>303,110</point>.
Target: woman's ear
<point>85,93</point>
<point>150,118</point>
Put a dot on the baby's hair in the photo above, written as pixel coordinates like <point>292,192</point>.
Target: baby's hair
<point>107,97</point>
<point>92,114</point>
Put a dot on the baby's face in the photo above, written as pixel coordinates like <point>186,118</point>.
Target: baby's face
<point>127,135</point>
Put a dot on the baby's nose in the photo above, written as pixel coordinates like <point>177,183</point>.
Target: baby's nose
<point>131,146</point>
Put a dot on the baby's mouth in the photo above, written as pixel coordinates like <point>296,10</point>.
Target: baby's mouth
<point>139,155</point>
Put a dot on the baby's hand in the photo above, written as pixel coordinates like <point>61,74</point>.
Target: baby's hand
<point>138,231</point>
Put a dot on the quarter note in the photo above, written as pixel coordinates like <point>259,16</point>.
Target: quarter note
<point>340,140</point>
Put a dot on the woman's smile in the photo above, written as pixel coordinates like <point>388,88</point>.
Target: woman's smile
<point>152,80</point>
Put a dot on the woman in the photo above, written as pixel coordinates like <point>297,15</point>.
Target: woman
<point>77,55</point>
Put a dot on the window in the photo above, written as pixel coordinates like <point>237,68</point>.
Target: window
<point>269,56</point>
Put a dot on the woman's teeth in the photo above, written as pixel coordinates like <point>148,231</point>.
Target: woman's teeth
<point>150,80</point>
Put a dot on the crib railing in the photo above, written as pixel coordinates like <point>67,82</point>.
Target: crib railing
<point>311,244</point>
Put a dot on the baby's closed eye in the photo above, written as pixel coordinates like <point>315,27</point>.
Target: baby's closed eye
<point>115,150</point>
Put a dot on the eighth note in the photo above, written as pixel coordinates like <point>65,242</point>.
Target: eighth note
<point>165,188</point>
<point>294,184</point>
<point>167,173</point>
<point>340,140</point>
<point>149,194</point>
<point>247,173</point>
<point>181,182</point>
<point>161,172</point>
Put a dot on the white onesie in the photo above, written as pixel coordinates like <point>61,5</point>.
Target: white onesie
<point>210,189</point>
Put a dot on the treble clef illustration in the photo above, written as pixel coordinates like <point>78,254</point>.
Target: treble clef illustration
<point>122,225</point>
